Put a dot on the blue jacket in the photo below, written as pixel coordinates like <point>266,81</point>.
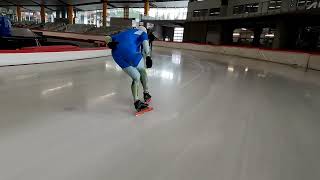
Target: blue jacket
<point>128,53</point>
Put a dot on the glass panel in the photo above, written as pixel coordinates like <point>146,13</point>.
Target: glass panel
<point>178,34</point>
<point>214,12</point>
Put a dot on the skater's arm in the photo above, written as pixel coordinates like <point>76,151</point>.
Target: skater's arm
<point>146,47</point>
<point>143,39</point>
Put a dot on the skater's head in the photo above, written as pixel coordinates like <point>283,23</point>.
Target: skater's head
<point>142,28</point>
<point>108,39</point>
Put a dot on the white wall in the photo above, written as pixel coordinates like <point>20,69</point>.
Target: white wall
<point>314,62</point>
<point>8,59</point>
<point>283,57</point>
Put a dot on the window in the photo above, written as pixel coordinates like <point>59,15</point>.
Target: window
<point>255,7</point>
<point>275,4</point>
<point>196,13</point>
<point>204,12</point>
<point>301,2</point>
<point>178,34</point>
<point>241,9</point>
<point>200,13</point>
<point>251,8</point>
<point>247,8</point>
<point>168,13</point>
<point>238,9</point>
<point>214,12</point>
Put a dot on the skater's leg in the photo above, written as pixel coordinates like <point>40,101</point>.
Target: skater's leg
<point>144,80</point>
<point>150,44</point>
<point>135,90</point>
<point>135,75</point>
<point>143,75</point>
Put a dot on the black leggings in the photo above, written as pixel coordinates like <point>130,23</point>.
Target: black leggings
<point>150,44</point>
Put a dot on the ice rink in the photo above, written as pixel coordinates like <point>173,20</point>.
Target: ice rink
<point>216,118</point>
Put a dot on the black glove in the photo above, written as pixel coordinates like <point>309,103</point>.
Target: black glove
<point>113,45</point>
<point>149,62</point>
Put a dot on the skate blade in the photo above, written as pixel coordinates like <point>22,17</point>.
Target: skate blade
<point>148,109</point>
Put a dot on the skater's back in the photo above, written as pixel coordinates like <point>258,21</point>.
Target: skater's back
<point>129,45</point>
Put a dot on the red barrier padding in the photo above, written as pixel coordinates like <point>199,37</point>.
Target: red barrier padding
<point>51,48</point>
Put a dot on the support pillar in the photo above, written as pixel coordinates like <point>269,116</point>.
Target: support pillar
<point>58,14</point>
<point>146,7</point>
<point>226,34</point>
<point>256,36</point>
<point>70,14</point>
<point>19,13</point>
<point>104,14</point>
<point>63,13</point>
<point>285,34</point>
<point>126,13</point>
<point>74,16</point>
<point>42,14</point>
<point>195,32</point>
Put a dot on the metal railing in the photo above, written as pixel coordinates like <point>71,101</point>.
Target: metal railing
<point>162,18</point>
<point>263,10</point>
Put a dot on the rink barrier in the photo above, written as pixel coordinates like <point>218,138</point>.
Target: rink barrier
<point>97,39</point>
<point>49,54</point>
<point>296,58</point>
<point>314,62</point>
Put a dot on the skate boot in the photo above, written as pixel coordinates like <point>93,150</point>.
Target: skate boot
<point>147,97</point>
<point>139,105</point>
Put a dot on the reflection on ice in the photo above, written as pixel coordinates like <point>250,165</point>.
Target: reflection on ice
<point>101,98</point>
<point>51,90</point>
<point>115,67</point>
<point>26,76</point>
<point>176,57</point>
<point>108,66</point>
<point>118,68</point>
<point>163,74</point>
<point>166,75</point>
<point>262,75</point>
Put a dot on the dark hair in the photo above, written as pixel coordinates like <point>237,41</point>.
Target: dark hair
<point>118,31</point>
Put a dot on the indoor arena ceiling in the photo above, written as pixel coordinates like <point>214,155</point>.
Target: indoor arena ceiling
<point>52,5</point>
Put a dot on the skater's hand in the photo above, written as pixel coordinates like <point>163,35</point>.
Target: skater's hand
<point>113,45</point>
<point>149,62</point>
